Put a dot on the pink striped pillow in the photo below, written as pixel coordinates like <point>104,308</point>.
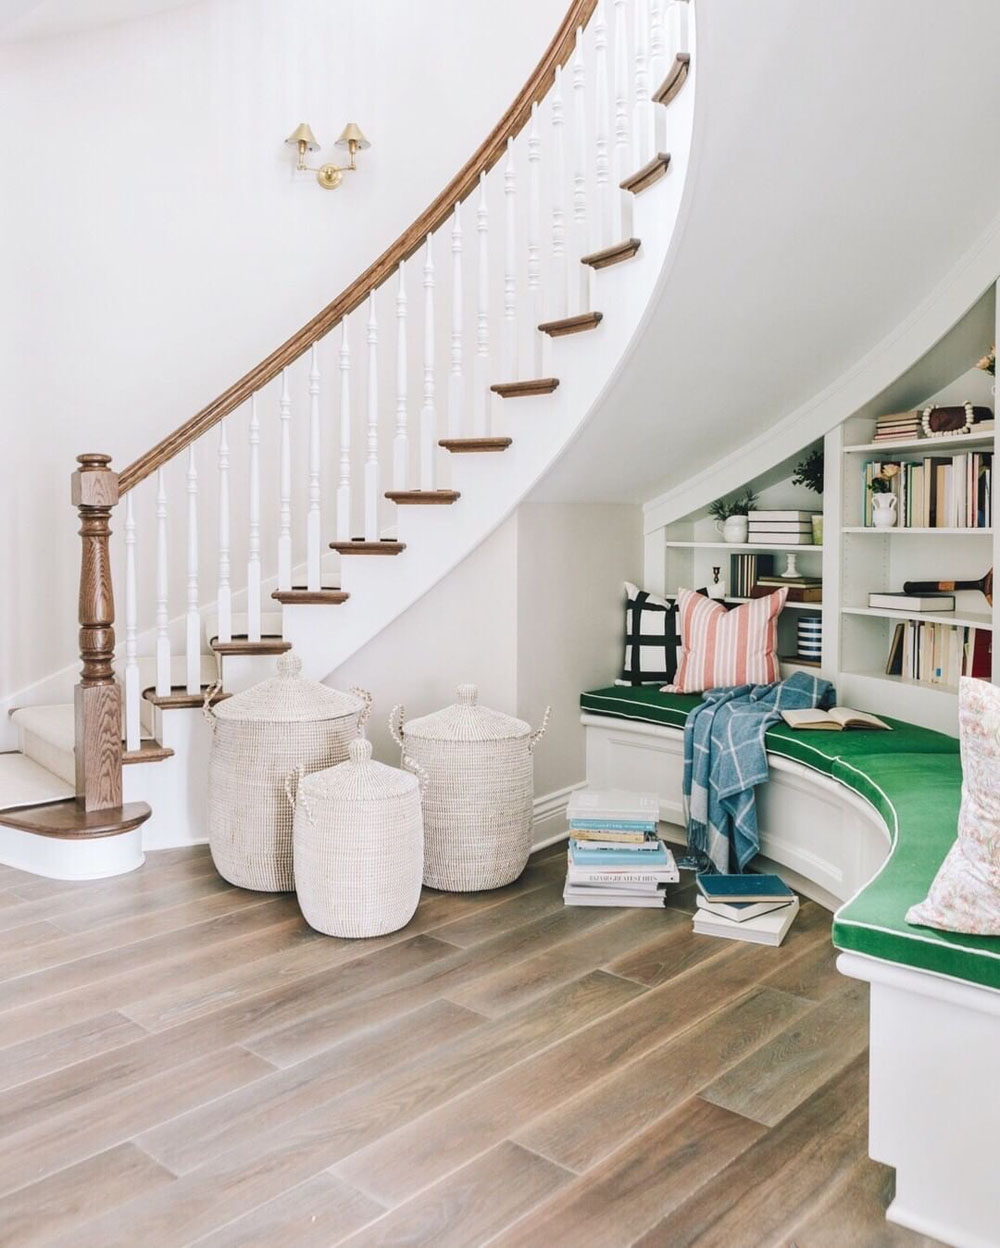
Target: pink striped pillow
<point>720,647</point>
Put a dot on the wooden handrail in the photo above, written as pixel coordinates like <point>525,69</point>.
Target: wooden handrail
<point>461,185</point>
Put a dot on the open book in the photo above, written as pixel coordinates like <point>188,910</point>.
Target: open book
<point>835,720</point>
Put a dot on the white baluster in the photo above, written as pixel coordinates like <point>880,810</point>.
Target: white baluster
<point>677,28</point>
<point>371,457</point>
<point>560,269</point>
<point>456,387</point>
<point>510,352</point>
<point>581,286</point>
<point>132,699</point>
<point>602,117</point>
<point>534,243</point>
<point>428,417</point>
<point>225,595</point>
<point>253,548</point>
<point>192,647</point>
<point>642,104</point>
<point>401,441</point>
<point>344,481</point>
<point>480,410</point>
<point>657,69</point>
<point>162,583</point>
<point>621,200</point>
<point>314,516</point>
<point>285,478</point>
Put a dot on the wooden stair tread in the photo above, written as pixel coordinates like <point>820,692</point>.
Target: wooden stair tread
<point>242,645</point>
<point>426,498</point>
<point>149,751</point>
<point>358,546</point>
<point>675,79</point>
<point>612,255</point>
<point>524,389</point>
<point>650,173</point>
<point>465,446</point>
<point>299,594</point>
<point>68,821</point>
<point>572,324</point>
<point>179,699</point>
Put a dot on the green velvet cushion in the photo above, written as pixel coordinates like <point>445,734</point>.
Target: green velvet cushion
<point>823,750</point>
<point>643,702</point>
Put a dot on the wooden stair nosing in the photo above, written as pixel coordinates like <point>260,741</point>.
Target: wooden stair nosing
<point>423,498</point>
<point>302,596</point>
<point>571,324</point>
<point>241,645</point>
<point>614,254</point>
<point>525,389</point>
<point>675,79</point>
<point>67,821</point>
<point>149,751</point>
<point>179,699</point>
<point>467,446</point>
<point>358,546</point>
<point>648,175</point>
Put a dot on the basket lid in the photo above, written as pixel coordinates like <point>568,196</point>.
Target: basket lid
<point>466,720</point>
<point>360,779</point>
<point>289,698</point>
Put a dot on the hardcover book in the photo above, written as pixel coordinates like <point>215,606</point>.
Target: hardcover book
<point>766,929</point>
<point>731,888</point>
<point>837,719</point>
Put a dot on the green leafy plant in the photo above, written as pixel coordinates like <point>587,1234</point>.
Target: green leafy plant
<point>881,485</point>
<point>809,471</point>
<point>733,505</point>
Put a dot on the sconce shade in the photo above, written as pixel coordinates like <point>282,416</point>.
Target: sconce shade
<point>303,134</point>
<point>352,134</point>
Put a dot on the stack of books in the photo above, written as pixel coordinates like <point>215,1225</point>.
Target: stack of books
<point>781,528</point>
<point>938,654</point>
<point>615,855</point>
<point>897,427</point>
<point>756,908</point>
<point>937,492</point>
<point>745,571</point>
<point>800,588</point>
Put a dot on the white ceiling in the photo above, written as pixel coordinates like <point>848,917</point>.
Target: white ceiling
<point>38,19</point>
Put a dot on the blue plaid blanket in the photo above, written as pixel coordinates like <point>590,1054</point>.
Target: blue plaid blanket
<point>724,757</point>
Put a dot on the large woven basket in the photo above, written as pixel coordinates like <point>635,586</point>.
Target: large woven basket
<point>284,725</point>
<point>359,846</point>
<point>478,802</point>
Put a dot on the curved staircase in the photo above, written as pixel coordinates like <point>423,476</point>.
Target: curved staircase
<point>548,302</point>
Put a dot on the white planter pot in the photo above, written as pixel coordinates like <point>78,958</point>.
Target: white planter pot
<point>884,511</point>
<point>734,529</point>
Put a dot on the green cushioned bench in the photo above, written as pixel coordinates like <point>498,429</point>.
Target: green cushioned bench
<point>913,777</point>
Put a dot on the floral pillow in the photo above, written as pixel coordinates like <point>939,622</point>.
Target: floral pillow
<point>965,895</point>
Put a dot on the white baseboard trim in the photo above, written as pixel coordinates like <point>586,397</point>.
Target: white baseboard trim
<point>549,816</point>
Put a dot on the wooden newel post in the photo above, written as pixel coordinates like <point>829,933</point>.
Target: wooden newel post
<point>98,698</point>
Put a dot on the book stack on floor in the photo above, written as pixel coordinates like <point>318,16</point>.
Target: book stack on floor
<point>755,908</point>
<point>615,856</point>
<point>897,427</point>
<point>781,528</point>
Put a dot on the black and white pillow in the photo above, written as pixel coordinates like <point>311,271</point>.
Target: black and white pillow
<point>651,638</point>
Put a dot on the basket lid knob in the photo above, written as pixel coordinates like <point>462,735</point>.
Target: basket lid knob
<point>289,664</point>
<point>468,695</point>
<point>360,750</point>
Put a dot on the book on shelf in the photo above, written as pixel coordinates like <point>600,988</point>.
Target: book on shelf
<point>937,492</point>
<point>911,602</point>
<point>938,654</point>
<point>739,911</point>
<point>804,517</point>
<point>779,526</point>
<point>750,887</point>
<point>573,896</point>
<point>796,593</point>
<point>802,582</point>
<point>837,719</point>
<point>775,537</point>
<point>744,571</point>
<point>765,929</point>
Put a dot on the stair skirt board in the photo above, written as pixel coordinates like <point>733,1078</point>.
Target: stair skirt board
<point>301,595</point>
<point>615,254</point>
<point>71,858</point>
<point>525,389</point>
<point>358,546</point>
<point>571,324</point>
<point>648,175</point>
<point>472,446</point>
<point>23,782</point>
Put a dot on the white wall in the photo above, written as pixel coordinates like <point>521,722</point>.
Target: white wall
<point>155,243</point>
<point>533,616</point>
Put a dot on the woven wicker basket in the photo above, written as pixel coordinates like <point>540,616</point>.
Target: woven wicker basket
<point>359,846</point>
<point>259,738</point>
<point>478,803</point>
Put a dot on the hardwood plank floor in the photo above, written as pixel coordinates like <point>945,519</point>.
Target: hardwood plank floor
<point>187,1063</point>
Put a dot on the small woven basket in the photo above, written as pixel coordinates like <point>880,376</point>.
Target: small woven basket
<point>359,846</point>
<point>480,791</point>
<point>284,725</point>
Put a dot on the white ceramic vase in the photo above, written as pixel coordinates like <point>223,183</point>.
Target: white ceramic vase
<point>884,511</point>
<point>734,529</point>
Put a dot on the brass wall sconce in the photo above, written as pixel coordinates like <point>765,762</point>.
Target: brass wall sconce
<point>329,176</point>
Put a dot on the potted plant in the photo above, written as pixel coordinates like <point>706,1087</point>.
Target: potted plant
<point>883,502</point>
<point>809,472</point>
<point>730,515</point>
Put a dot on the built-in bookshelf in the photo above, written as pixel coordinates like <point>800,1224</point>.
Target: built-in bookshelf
<point>856,558</point>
